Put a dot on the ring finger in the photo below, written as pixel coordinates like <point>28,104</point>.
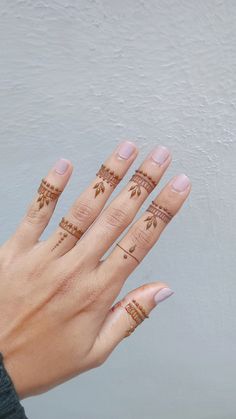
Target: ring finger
<point>143,234</point>
<point>121,211</point>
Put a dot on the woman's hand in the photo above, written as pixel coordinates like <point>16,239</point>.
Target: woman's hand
<point>56,295</point>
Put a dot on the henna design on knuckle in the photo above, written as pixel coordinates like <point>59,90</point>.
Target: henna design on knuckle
<point>136,311</point>
<point>138,314</point>
<point>157,211</point>
<point>60,240</point>
<point>71,228</point>
<point>128,252</point>
<point>140,307</point>
<point>141,179</point>
<point>107,175</point>
<point>47,193</point>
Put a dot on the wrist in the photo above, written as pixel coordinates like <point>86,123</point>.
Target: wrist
<point>10,406</point>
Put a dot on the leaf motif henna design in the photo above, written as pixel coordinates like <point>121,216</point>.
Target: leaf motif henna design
<point>132,248</point>
<point>107,175</point>
<point>47,193</point>
<point>135,190</point>
<point>141,179</point>
<point>99,186</point>
<point>128,252</point>
<point>158,212</point>
<point>151,221</point>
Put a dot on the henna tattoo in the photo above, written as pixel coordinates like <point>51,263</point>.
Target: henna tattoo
<point>136,315</point>
<point>60,240</point>
<point>141,179</point>
<point>47,193</point>
<point>71,228</point>
<point>140,308</point>
<point>118,304</point>
<point>129,331</point>
<point>158,212</point>
<point>128,252</point>
<point>107,175</point>
<point>136,311</point>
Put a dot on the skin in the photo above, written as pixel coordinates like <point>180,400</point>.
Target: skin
<point>56,317</point>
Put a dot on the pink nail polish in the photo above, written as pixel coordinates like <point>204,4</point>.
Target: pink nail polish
<point>160,154</point>
<point>61,166</point>
<point>180,183</point>
<point>126,150</point>
<point>162,295</point>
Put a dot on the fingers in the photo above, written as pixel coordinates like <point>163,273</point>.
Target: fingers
<point>143,234</point>
<point>90,203</point>
<point>41,208</point>
<point>126,315</point>
<point>119,214</point>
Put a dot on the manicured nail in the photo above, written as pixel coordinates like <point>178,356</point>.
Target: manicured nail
<point>180,183</point>
<point>61,166</point>
<point>160,154</point>
<point>126,150</point>
<point>162,295</point>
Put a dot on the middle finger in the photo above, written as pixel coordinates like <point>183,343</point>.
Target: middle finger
<point>119,214</point>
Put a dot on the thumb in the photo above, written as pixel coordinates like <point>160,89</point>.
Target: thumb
<point>127,314</point>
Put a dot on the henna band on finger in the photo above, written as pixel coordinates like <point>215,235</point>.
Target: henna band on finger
<point>137,313</point>
<point>71,228</point>
<point>47,192</point>
<point>128,252</point>
<point>107,175</point>
<point>143,311</point>
<point>141,179</point>
<point>135,310</point>
<point>158,211</point>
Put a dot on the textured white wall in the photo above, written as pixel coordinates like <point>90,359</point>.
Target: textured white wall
<point>78,76</point>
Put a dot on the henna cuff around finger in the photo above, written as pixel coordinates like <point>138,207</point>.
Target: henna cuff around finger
<point>47,192</point>
<point>157,211</point>
<point>141,179</point>
<point>107,175</point>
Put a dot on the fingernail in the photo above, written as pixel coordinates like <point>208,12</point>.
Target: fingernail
<point>180,183</point>
<point>126,150</point>
<point>160,154</point>
<point>162,295</point>
<point>61,166</point>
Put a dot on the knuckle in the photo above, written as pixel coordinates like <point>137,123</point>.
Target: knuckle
<point>116,217</point>
<point>35,216</point>
<point>142,237</point>
<point>100,360</point>
<point>81,212</point>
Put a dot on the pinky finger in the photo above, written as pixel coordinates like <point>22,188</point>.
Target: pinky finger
<point>127,314</point>
<point>41,208</point>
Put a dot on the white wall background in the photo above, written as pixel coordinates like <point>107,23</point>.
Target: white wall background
<point>78,76</point>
